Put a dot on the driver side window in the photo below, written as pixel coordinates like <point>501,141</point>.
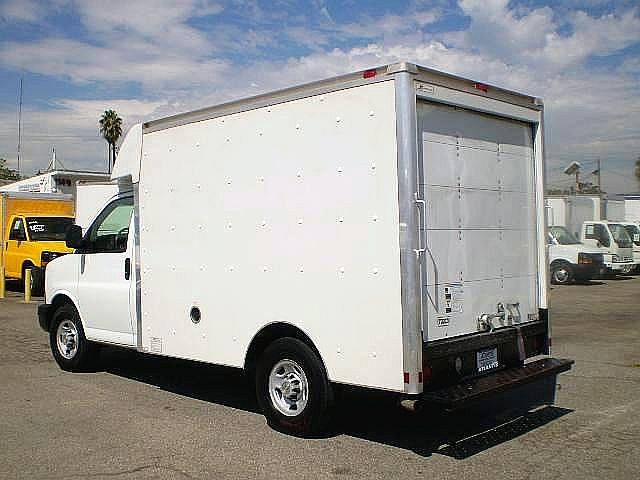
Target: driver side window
<point>110,231</point>
<point>17,230</point>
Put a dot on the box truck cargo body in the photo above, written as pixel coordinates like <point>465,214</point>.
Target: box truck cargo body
<point>383,229</point>
<point>32,233</point>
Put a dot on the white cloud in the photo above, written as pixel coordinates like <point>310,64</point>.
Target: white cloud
<point>71,126</point>
<point>150,66</point>
<point>20,10</point>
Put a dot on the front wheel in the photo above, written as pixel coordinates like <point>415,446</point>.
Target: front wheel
<point>627,269</point>
<point>292,388</point>
<point>71,349</point>
<point>561,274</point>
<point>37,281</point>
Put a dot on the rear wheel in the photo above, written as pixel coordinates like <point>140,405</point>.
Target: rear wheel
<point>292,388</point>
<point>71,349</point>
<point>37,281</point>
<point>561,274</point>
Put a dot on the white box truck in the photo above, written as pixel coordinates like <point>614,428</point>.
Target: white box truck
<point>633,230</point>
<point>612,238</point>
<point>383,229</point>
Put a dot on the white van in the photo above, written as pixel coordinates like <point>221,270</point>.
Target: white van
<point>383,229</point>
<point>570,260</point>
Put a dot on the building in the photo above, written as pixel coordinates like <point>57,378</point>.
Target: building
<point>55,181</point>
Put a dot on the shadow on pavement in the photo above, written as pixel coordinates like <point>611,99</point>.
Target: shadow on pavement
<point>361,413</point>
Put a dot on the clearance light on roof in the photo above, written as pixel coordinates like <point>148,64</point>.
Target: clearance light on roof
<point>481,86</point>
<point>369,73</point>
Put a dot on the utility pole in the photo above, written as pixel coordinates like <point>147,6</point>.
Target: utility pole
<point>599,177</point>
<point>19,125</point>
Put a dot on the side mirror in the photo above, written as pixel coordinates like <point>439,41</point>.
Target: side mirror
<point>73,237</point>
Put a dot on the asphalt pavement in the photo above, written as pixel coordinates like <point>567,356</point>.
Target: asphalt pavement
<point>141,417</point>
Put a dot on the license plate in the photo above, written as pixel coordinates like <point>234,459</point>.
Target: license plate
<point>487,359</point>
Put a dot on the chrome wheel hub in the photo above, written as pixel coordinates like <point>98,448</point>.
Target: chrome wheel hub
<point>288,388</point>
<point>561,275</point>
<point>67,339</point>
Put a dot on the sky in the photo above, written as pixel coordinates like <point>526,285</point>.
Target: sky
<point>147,59</point>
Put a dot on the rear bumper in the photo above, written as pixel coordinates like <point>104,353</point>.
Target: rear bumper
<point>44,315</point>
<point>467,392</point>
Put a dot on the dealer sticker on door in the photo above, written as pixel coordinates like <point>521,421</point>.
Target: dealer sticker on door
<point>487,359</point>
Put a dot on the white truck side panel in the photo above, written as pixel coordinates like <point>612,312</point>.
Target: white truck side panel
<point>580,210</point>
<point>257,217</point>
<point>614,210</point>
<point>558,212</point>
<point>632,209</point>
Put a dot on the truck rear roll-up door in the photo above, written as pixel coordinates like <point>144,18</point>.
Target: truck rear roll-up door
<point>477,172</point>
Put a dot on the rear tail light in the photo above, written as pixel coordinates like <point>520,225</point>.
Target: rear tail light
<point>369,73</point>
<point>481,86</point>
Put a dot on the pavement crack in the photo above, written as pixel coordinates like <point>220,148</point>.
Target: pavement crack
<point>133,470</point>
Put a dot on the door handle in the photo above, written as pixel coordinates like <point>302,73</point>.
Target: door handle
<point>127,268</point>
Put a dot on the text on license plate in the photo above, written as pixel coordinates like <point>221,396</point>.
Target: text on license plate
<point>487,359</point>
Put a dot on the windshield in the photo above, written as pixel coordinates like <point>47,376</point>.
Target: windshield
<point>563,236</point>
<point>634,233</point>
<point>48,228</point>
<point>620,235</point>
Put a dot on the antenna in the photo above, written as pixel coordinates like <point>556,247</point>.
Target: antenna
<point>19,124</point>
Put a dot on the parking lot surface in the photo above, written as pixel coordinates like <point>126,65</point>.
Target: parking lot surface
<point>147,417</point>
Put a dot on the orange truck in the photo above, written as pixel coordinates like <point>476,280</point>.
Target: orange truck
<point>33,231</point>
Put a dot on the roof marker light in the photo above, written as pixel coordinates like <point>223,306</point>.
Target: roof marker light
<point>481,86</point>
<point>369,73</point>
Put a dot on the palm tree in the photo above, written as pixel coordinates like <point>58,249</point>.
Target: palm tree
<point>111,129</point>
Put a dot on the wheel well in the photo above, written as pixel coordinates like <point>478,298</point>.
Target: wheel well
<point>26,264</point>
<point>270,333</point>
<point>56,303</point>
<point>556,263</point>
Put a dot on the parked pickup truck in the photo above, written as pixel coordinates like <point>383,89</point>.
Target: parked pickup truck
<point>612,238</point>
<point>570,260</point>
<point>33,233</point>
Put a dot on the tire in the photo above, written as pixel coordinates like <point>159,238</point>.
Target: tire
<point>69,346</point>
<point>37,281</point>
<point>292,388</point>
<point>561,274</point>
<point>627,269</point>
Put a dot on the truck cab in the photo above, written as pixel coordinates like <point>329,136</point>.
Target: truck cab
<point>633,229</point>
<point>31,243</point>
<point>612,238</point>
<point>570,260</point>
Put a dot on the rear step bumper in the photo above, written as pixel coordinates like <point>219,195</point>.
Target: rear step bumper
<point>466,392</point>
